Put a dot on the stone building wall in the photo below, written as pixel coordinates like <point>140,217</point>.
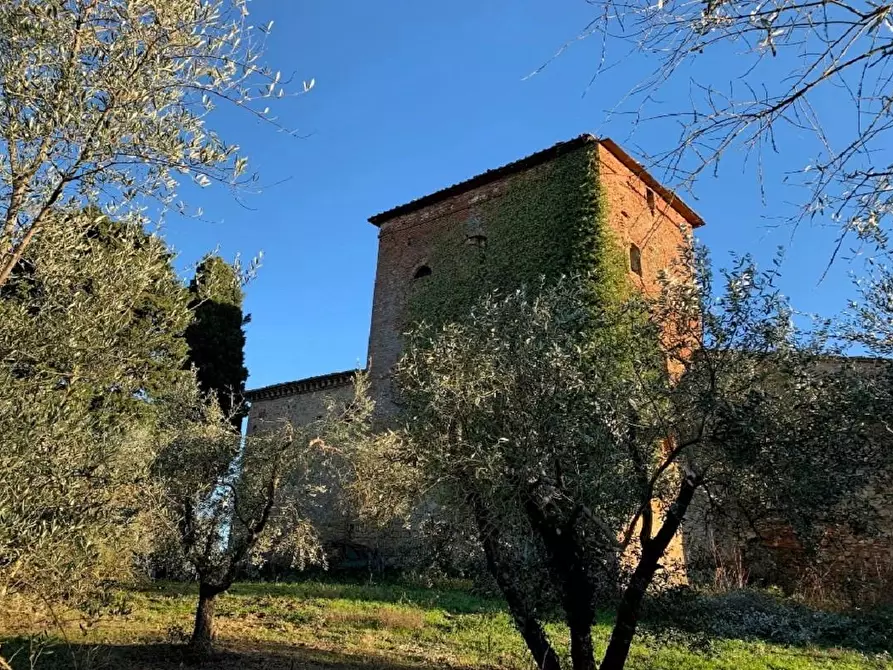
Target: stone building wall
<point>639,211</point>
<point>405,244</point>
<point>649,223</point>
<point>350,543</point>
<point>299,402</point>
<point>727,551</point>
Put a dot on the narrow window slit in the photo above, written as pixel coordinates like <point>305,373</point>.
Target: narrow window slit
<point>635,259</point>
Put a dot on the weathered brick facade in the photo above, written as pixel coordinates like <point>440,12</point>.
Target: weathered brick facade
<point>648,223</point>
<point>856,564</point>
<point>645,218</point>
<point>407,233</point>
<point>640,212</point>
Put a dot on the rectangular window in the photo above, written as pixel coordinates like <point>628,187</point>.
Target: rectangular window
<point>649,196</point>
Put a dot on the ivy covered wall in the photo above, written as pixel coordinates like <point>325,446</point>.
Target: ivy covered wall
<point>550,221</point>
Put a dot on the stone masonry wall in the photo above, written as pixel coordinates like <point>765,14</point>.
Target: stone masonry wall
<point>330,518</point>
<point>300,409</point>
<point>855,565</point>
<point>349,542</point>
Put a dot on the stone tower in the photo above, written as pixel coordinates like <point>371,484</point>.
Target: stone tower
<point>549,214</point>
<point>537,216</point>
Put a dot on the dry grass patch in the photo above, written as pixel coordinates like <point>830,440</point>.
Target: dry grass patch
<point>383,617</point>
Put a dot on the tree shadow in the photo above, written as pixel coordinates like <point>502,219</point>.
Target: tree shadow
<point>452,600</point>
<point>260,656</point>
<point>698,619</point>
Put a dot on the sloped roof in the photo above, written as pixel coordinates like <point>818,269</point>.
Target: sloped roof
<point>308,385</point>
<point>538,158</point>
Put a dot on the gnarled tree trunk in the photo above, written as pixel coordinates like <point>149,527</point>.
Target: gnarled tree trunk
<point>203,632</point>
<point>582,653</point>
<point>653,551</point>
<point>571,570</point>
<point>534,636</point>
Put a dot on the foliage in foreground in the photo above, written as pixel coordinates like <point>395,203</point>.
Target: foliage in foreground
<point>232,499</point>
<point>565,435</point>
<point>108,102</point>
<point>793,57</point>
<point>91,326</point>
<point>749,614</point>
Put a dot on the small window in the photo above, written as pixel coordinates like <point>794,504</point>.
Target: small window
<point>479,241</point>
<point>649,196</point>
<point>635,259</point>
<point>423,271</point>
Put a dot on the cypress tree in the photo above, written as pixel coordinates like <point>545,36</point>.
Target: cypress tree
<point>216,336</point>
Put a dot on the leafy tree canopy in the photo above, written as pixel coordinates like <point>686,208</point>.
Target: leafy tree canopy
<point>91,327</point>
<point>577,462</point>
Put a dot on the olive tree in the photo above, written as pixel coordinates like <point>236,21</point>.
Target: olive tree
<point>869,321</point>
<point>230,500</point>
<point>575,439</point>
<point>91,324</point>
<point>108,101</point>
<point>791,59</point>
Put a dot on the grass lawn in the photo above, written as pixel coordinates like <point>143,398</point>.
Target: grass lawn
<point>343,625</point>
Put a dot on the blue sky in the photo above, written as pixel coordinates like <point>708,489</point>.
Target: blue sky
<point>413,96</point>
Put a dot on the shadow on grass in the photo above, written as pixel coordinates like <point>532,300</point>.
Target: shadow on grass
<point>262,656</point>
<point>452,600</point>
<point>684,617</point>
<point>696,619</point>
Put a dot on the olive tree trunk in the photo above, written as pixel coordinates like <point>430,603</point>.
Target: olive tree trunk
<point>653,551</point>
<point>527,624</point>
<point>203,632</point>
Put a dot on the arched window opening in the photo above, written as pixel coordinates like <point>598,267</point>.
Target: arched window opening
<point>649,196</point>
<point>423,271</point>
<point>635,259</point>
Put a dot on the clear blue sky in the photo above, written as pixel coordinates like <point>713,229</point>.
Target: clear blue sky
<point>410,97</point>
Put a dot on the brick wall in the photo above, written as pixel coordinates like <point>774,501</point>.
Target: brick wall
<point>404,245</point>
<point>656,232</point>
<point>723,547</point>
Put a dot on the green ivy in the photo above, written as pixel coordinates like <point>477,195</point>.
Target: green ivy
<point>551,222</point>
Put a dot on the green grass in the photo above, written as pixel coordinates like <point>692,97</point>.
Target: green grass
<point>349,625</point>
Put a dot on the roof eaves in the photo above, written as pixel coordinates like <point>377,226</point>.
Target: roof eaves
<point>300,386</point>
